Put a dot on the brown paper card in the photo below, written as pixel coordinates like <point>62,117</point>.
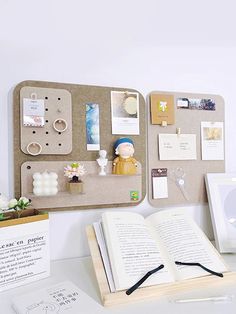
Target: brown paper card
<point>162,109</point>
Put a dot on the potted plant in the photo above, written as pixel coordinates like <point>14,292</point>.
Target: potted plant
<point>17,209</point>
<point>74,172</point>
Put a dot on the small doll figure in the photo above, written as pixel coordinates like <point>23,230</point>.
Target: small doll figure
<point>124,163</point>
<point>102,162</point>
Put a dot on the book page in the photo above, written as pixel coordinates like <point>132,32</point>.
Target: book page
<point>132,250</point>
<point>184,241</point>
<point>103,251</point>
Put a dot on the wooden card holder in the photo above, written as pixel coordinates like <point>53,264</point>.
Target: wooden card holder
<point>147,293</point>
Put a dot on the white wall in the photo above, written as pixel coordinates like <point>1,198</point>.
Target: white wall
<point>147,45</point>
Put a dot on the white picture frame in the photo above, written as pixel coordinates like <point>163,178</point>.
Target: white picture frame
<point>221,192</point>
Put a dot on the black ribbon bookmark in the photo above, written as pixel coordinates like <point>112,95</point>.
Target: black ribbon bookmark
<point>203,267</point>
<point>145,277</point>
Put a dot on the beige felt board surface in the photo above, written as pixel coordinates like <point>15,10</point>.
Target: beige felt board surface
<point>95,187</point>
<point>56,135</point>
<point>188,121</point>
<point>80,96</point>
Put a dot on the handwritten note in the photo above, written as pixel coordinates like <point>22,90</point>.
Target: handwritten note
<point>177,147</point>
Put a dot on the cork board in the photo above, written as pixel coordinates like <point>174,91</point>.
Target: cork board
<point>189,122</point>
<point>81,95</point>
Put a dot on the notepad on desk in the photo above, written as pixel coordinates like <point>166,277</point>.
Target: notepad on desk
<point>63,298</point>
<point>131,246</point>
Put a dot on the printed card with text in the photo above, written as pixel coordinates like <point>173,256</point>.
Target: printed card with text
<point>212,135</point>
<point>125,113</point>
<point>33,112</point>
<point>162,109</point>
<point>24,254</point>
<point>159,183</point>
<point>61,298</point>
<point>177,147</point>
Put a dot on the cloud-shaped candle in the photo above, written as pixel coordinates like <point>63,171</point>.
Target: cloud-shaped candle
<point>45,184</point>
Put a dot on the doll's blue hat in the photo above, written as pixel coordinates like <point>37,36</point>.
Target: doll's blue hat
<point>122,140</point>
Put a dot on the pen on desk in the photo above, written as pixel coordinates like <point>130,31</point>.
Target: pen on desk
<point>145,277</point>
<point>212,299</point>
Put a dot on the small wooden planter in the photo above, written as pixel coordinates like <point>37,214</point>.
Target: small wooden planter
<point>29,212</point>
<point>75,187</point>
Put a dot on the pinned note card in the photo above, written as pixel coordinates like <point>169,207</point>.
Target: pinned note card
<point>162,109</point>
<point>159,183</point>
<point>125,113</point>
<point>33,112</point>
<point>212,135</point>
<point>177,146</point>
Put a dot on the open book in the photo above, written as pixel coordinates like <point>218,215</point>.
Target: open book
<point>136,245</point>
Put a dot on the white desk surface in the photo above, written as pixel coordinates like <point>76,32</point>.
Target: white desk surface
<point>80,271</point>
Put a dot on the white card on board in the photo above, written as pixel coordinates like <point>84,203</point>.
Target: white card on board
<point>125,113</point>
<point>177,147</point>
<point>212,136</point>
<point>159,183</point>
<point>33,112</point>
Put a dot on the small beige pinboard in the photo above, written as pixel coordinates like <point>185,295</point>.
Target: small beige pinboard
<point>181,121</point>
<point>55,137</point>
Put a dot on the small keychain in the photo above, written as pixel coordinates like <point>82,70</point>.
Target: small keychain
<point>178,176</point>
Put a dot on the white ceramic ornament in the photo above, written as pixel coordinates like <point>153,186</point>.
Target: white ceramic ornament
<point>45,184</point>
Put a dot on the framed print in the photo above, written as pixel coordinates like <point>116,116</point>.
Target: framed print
<point>221,192</point>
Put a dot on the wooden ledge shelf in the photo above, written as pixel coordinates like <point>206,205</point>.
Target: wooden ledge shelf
<point>95,187</point>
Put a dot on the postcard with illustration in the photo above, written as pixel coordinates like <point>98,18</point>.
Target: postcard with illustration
<point>125,112</point>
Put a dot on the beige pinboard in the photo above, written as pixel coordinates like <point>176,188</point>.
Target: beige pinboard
<point>68,102</point>
<point>186,121</point>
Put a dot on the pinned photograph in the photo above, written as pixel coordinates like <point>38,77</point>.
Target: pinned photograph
<point>33,112</point>
<point>212,136</point>
<point>92,126</point>
<point>125,112</point>
<point>196,104</point>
